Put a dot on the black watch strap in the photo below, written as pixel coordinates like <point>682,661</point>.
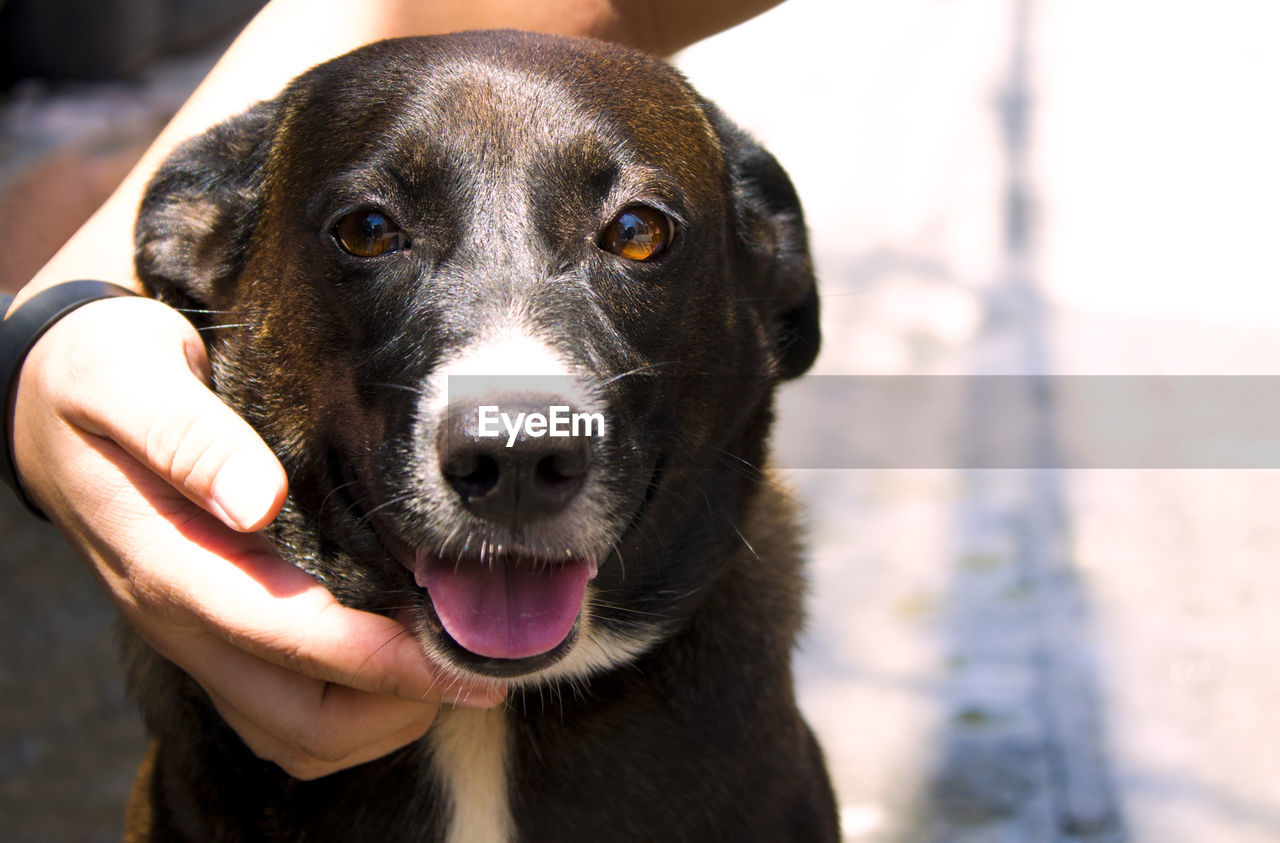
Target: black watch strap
<point>18,334</point>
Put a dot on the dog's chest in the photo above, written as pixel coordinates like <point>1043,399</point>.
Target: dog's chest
<point>470,755</point>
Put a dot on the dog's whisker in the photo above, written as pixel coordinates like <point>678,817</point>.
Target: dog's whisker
<point>752,469</point>
<point>398,499</point>
<point>204,328</point>
<point>324,502</point>
<point>626,625</point>
<point>413,390</point>
<point>646,369</point>
<point>628,610</point>
<point>600,648</point>
<point>622,563</point>
<point>380,648</point>
<point>744,540</point>
<point>751,472</point>
<point>450,541</point>
<point>727,517</point>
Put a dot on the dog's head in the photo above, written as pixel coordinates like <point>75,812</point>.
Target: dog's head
<point>419,241</point>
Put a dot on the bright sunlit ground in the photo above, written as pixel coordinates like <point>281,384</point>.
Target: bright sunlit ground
<point>1054,654</point>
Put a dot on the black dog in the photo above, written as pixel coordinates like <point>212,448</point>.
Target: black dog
<point>399,226</point>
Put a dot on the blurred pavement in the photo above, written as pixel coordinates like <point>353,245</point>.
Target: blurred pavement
<point>1050,187</point>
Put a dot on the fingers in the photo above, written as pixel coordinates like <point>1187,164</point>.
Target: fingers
<point>309,728</point>
<point>195,573</point>
<point>147,396</point>
<point>298,762</point>
<point>306,682</point>
<point>147,472</point>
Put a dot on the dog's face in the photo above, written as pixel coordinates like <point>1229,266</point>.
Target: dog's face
<point>424,235</point>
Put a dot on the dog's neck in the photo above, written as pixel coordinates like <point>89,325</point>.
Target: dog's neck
<point>470,754</point>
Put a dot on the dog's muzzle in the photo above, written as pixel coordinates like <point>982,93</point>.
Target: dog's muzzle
<point>511,460</point>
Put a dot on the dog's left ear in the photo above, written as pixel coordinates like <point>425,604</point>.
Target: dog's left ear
<point>769,224</point>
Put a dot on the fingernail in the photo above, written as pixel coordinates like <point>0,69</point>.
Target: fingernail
<point>244,490</point>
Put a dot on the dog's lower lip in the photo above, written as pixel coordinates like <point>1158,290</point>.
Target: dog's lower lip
<point>508,606</point>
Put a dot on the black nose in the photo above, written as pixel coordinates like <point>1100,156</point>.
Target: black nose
<point>515,458</point>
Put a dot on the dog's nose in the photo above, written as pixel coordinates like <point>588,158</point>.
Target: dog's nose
<point>515,458</point>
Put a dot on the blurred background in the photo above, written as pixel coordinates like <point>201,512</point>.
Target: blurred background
<point>994,187</point>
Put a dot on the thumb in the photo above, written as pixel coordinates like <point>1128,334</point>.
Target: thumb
<point>137,380</point>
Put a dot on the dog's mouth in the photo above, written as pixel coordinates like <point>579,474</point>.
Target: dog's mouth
<point>491,604</point>
<point>507,605</point>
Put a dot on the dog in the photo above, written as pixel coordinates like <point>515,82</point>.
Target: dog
<point>434,258</point>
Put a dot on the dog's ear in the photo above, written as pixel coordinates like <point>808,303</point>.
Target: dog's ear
<point>769,224</point>
<point>197,216</point>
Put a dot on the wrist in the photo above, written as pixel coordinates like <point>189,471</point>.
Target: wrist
<point>19,332</point>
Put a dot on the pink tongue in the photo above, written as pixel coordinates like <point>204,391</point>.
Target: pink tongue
<point>510,611</point>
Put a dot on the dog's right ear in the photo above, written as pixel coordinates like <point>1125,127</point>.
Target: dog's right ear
<point>198,214</point>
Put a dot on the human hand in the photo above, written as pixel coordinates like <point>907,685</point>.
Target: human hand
<point>158,485</point>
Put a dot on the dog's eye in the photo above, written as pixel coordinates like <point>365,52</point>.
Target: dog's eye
<point>639,233</point>
<point>367,234</point>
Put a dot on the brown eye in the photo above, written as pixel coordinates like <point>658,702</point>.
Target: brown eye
<point>367,234</point>
<point>638,234</point>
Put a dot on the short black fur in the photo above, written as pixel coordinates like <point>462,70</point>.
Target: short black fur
<point>502,156</point>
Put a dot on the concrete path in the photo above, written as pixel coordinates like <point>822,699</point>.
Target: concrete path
<point>1052,187</point>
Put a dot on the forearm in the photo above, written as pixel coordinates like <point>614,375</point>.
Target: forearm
<point>288,36</point>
